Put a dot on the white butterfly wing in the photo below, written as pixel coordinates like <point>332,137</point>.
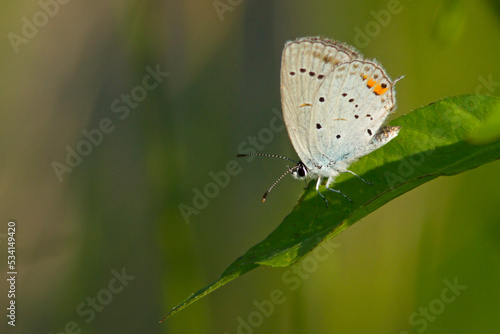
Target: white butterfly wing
<point>348,111</point>
<point>306,64</point>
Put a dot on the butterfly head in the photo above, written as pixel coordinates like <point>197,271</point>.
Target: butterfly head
<point>300,171</point>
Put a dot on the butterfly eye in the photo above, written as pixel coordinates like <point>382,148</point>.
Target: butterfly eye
<point>301,172</point>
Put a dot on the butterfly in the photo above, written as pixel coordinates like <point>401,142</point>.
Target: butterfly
<point>334,105</point>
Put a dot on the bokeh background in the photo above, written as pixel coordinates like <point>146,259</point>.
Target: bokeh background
<point>118,209</point>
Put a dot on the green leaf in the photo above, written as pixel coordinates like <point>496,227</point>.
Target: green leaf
<point>489,130</point>
<point>432,142</point>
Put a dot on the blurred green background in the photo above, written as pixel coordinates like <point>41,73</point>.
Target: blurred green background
<point>118,209</point>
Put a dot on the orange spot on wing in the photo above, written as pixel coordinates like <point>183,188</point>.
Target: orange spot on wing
<point>371,83</point>
<point>379,90</point>
<point>364,76</point>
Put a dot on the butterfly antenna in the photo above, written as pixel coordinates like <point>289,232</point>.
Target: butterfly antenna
<point>291,169</point>
<point>266,155</point>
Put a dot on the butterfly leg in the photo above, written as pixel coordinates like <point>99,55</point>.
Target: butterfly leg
<point>330,181</point>
<point>359,177</point>
<point>317,189</point>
